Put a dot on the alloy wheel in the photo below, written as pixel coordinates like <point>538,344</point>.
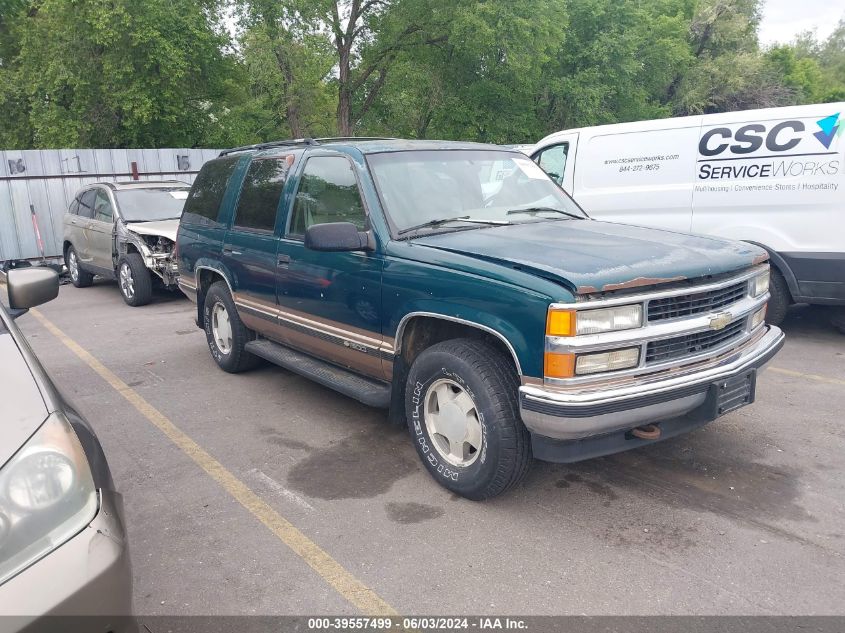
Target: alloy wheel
<point>452,421</point>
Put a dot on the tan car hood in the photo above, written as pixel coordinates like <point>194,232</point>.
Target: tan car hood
<point>23,408</point>
<point>163,228</point>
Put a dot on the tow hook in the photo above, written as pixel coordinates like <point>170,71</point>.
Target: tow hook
<point>646,432</point>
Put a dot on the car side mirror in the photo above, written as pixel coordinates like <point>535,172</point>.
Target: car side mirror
<point>337,237</point>
<point>30,287</point>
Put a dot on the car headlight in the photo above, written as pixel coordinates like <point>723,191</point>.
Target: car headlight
<point>575,322</point>
<point>47,496</point>
<point>607,361</point>
<point>760,284</point>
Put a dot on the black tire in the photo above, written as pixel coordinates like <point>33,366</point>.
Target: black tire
<point>78,277</point>
<point>780,299</point>
<point>489,378</point>
<point>838,320</point>
<point>137,290</point>
<point>236,359</point>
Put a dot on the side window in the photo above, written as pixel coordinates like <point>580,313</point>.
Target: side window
<point>260,193</point>
<point>203,203</point>
<point>102,207</point>
<point>86,204</point>
<point>328,192</point>
<point>73,209</point>
<point>553,161</point>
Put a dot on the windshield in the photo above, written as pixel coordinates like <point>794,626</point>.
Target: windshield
<point>444,189</point>
<point>147,205</point>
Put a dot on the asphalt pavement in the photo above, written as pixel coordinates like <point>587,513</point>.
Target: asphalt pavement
<point>285,494</point>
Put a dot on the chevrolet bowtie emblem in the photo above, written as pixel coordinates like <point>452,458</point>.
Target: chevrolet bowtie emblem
<point>719,321</point>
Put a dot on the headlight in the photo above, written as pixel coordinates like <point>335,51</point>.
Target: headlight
<point>760,284</point>
<point>607,361</point>
<point>574,322</point>
<point>47,496</point>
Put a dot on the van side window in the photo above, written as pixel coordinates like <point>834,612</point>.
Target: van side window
<point>206,195</point>
<point>328,192</point>
<point>86,204</point>
<point>553,161</point>
<point>260,194</point>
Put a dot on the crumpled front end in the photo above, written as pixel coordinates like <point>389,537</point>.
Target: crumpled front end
<point>158,252</point>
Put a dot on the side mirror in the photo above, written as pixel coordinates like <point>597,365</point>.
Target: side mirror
<point>337,237</point>
<point>30,287</point>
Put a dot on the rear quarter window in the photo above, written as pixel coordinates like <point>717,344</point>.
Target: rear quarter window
<point>260,194</point>
<point>203,203</point>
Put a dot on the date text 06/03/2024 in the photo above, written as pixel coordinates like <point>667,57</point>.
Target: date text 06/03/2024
<point>417,623</point>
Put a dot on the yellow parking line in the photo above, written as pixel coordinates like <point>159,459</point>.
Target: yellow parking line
<point>799,374</point>
<point>347,585</point>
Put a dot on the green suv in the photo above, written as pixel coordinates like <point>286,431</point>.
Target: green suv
<point>458,286</point>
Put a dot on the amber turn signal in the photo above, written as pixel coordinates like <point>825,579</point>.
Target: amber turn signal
<point>559,365</point>
<point>561,323</point>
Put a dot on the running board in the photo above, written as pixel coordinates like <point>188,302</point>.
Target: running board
<point>365,390</point>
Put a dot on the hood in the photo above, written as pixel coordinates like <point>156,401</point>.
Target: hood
<point>592,256</point>
<point>162,228</point>
<point>23,409</point>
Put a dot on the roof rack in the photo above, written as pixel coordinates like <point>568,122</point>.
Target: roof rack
<point>300,141</point>
<point>268,145</point>
<point>120,183</point>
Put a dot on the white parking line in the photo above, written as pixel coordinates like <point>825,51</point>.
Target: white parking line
<point>278,488</point>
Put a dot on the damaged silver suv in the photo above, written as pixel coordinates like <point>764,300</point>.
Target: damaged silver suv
<point>125,231</point>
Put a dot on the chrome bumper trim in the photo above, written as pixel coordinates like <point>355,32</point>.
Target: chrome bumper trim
<point>576,415</point>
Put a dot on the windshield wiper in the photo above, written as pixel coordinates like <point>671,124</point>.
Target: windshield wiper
<point>460,218</point>
<point>549,209</point>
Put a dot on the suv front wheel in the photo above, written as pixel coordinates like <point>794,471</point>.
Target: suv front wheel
<point>225,332</point>
<point>463,415</point>
<point>136,285</point>
<point>80,278</point>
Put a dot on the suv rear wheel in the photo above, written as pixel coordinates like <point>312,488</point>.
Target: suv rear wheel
<point>80,278</point>
<point>463,415</point>
<point>225,332</point>
<point>133,278</point>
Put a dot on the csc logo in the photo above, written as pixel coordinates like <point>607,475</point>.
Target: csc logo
<point>750,138</point>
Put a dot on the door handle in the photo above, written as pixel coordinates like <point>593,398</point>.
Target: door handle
<point>227,250</point>
<point>283,261</point>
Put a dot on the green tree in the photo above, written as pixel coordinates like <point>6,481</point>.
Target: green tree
<point>478,78</point>
<point>620,59</point>
<point>118,73</point>
<point>288,62</point>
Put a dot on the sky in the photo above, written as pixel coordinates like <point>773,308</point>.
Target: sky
<point>784,19</point>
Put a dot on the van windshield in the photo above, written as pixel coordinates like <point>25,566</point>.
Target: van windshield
<point>422,189</point>
<point>148,205</point>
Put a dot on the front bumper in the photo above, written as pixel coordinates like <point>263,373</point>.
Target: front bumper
<point>560,415</point>
<point>84,584</point>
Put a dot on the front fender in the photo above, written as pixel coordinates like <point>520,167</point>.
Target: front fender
<point>515,315</point>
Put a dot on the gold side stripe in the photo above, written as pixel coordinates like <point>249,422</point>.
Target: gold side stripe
<point>318,326</point>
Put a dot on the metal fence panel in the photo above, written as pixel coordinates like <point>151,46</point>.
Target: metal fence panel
<point>47,180</point>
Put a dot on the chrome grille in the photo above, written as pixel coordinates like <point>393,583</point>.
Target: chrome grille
<point>689,344</point>
<point>695,302</point>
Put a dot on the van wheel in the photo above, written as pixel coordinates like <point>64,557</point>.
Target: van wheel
<point>780,299</point>
<point>225,332</point>
<point>838,320</point>
<point>80,278</point>
<point>134,280</point>
<point>463,415</point>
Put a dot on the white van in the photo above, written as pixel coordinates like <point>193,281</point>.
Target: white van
<point>774,177</point>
